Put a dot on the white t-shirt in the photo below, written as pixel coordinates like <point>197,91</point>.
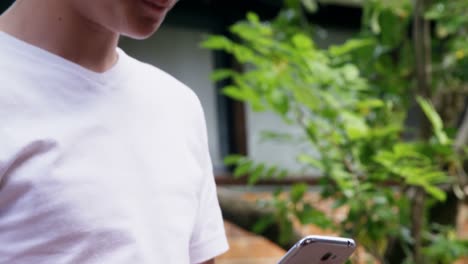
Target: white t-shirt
<point>102,168</point>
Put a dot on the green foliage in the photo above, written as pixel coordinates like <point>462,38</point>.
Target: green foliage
<point>450,16</point>
<point>255,172</point>
<point>435,120</point>
<point>445,247</point>
<point>410,163</point>
<point>289,208</point>
<point>351,102</point>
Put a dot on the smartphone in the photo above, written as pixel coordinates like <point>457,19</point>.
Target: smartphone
<point>320,250</point>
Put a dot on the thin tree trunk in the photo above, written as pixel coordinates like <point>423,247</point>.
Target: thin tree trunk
<point>422,47</point>
<point>462,134</point>
<point>461,140</point>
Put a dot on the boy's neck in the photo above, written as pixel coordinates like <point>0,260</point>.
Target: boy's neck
<point>54,27</point>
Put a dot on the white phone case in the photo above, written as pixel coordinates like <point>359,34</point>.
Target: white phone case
<point>320,250</point>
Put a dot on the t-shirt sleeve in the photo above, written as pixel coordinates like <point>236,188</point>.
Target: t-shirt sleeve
<point>208,238</point>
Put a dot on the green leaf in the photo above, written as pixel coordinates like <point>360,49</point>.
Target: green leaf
<point>253,17</point>
<point>430,112</point>
<point>271,171</point>
<point>310,5</point>
<point>233,159</point>
<point>242,169</point>
<point>222,74</point>
<point>261,225</point>
<point>309,160</point>
<point>350,72</point>
<point>386,131</point>
<point>256,174</point>
<point>408,150</point>
<point>283,174</point>
<point>366,105</point>
<point>280,102</point>
<point>286,231</point>
<point>436,177</point>
<point>292,3</point>
<point>278,137</point>
<point>355,125</point>
<point>434,118</point>
<point>310,215</point>
<point>277,192</point>
<point>437,11</point>
<point>374,22</point>
<point>435,192</point>
<point>370,103</point>
<point>333,103</point>
<point>217,43</point>
<point>298,191</point>
<point>302,41</point>
<point>234,92</point>
<point>350,46</point>
<point>243,54</point>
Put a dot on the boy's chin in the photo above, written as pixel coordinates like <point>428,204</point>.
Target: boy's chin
<point>141,32</point>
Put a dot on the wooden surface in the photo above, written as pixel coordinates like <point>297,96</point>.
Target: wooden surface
<point>248,248</point>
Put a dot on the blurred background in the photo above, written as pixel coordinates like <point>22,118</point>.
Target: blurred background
<point>334,117</point>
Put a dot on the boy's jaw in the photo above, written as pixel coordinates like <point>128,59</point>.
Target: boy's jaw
<point>151,13</point>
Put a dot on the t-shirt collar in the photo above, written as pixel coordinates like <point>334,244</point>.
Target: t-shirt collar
<point>112,75</point>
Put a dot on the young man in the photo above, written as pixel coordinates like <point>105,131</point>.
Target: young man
<point>103,159</point>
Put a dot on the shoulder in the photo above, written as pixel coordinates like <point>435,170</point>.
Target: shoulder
<point>158,81</point>
<point>168,94</point>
